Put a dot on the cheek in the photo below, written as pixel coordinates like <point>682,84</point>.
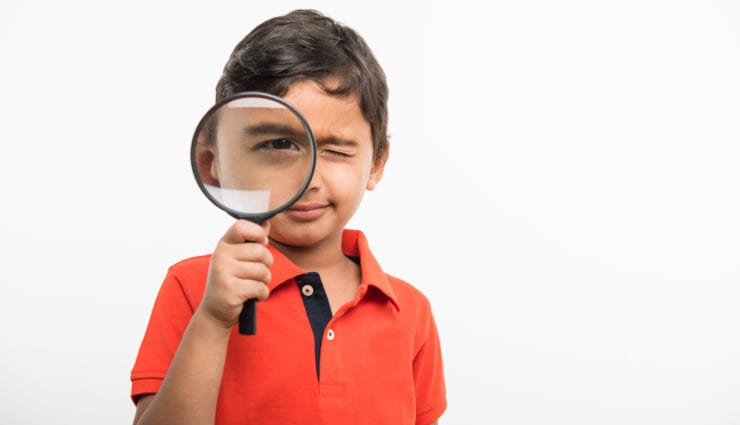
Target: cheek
<point>350,180</point>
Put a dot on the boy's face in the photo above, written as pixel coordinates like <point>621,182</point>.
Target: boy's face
<point>253,155</point>
<point>344,168</point>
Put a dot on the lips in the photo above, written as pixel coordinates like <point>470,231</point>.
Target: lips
<point>306,210</point>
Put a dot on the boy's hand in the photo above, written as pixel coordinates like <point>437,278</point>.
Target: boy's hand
<point>239,271</point>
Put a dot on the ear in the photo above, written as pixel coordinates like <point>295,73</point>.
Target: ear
<point>206,164</point>
<point>376,172</point>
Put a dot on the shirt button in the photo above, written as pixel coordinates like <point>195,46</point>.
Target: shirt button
<point>330,335</point>
<point>307,290</point>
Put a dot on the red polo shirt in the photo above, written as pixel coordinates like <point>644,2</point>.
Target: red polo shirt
<point>380,360</point>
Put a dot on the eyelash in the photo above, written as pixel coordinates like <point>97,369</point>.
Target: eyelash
<point>270,144</point>
<point>336,153</point>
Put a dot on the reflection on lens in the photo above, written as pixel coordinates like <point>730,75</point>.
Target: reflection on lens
<point>253,155</point>
<point>248,201</point>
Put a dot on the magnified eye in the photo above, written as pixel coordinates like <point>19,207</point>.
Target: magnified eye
<point>279,144</point>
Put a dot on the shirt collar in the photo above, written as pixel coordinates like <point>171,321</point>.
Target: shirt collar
<point>354,244</point>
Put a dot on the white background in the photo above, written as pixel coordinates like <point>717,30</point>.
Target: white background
<point>563,185</point>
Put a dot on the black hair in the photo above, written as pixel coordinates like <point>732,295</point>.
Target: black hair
<point>307,45</point>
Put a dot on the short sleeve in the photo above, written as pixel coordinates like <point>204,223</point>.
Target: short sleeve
<point>429,382</point>
<point>170,316</point>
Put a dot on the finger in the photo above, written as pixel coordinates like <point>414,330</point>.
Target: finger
<point>258,290</point>
<point>246,289</point>
<point>245,231</point>
<point>251,270</point>
<point>250,252</point>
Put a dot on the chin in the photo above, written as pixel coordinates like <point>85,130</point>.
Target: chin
<point>303,235</point>
<point>304,238</point>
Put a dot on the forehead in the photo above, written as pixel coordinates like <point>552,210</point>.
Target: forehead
<point>329,115</point>
<point>248,113</point>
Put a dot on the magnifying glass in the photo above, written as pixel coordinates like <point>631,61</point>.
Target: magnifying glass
<point>253,156</point>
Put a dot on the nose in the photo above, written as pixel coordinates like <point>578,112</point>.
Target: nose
<point>316,179</point>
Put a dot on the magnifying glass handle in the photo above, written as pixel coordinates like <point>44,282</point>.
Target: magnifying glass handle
<point>248,318</point>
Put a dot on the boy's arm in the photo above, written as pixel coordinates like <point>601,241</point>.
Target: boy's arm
<point>238,271</point>
<point>141,406</point>
<point>189,391</point>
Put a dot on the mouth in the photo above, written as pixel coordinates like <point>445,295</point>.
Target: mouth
<point>305,211</point>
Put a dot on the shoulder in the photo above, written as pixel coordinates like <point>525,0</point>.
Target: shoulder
<point>188,278</point>
<point>192,265</point>
<point>415,310</point>
<point>190,271</point>
<point>409,297</point>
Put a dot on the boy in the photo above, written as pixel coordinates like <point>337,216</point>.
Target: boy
<point>339,341</point>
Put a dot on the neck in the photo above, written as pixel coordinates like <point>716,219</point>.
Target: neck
<point>319,257</point>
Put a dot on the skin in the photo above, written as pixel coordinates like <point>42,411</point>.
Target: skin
<point>309,233</point>
<point>257,148</point>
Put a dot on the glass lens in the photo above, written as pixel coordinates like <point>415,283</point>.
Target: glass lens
<point>253,155</point>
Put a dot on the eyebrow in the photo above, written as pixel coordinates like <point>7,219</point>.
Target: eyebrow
<point>269,128</point>
<point>331,140</point>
